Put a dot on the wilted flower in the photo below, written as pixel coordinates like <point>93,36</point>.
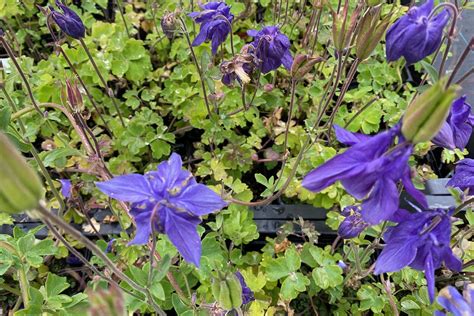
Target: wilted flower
<point>463,175</point>
<point>215,20</point>
<point>272,48</point>
<point>240,67</point>
<point>453,302</point>
<point>422,241</point>
<point>457,129</point>
<point>68,21</point>
<point>247,293</point>
<point>414,36</point>
<point>166,201</point>
<point>353,224</point>
<point>66,187</point>
<point>369,171</point>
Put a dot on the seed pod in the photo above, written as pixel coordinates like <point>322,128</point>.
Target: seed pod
<point>20,188</point>
<point>342,26</point>
<point>235,290</point>
<point>370,32</point>
<point>427,113</point>
<point>74,96</point>
<point>227,291</point>
<point>302,64</point>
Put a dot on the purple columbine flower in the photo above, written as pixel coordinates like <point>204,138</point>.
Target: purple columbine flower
<point>463,175</point>
<point>421,241</point>
<point>453,302</point>
<point>457,129</point>
<point>215,19</point>
<point>167,201</point>
<point>369,171</point>
<point>66,187</point>
<point>247,294</point>
<point>273,48</point>
<point>68,21</point>
<point>353,224</point>
<point>416,35</point>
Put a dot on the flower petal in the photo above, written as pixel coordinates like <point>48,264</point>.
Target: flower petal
<point>128,188</point>
<point>199,200</point>
<point>182,231</point>
<point>349,138</point>
<point>395,256</point>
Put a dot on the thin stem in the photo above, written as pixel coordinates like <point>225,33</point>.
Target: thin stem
<point>365,107</point>
<point>461,59</point>
<point>86,90</point>
<point>455,12</point>
<point>35,154</point>
<point>465,76</point>
<point>24,286</point>
<point>22,74</point>
<point>53,218</point>
<point>108,90</point>
<point>386,286</point>
<point>463,205</point>
<point>201,77</point>
<point>76,253</point>
<point>119,5</point>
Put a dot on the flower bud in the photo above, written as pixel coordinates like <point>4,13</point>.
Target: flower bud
<point>227,291</point>
<point>302,64</point>
<point>169,25</point>
<point>370,32</point>
<point>426,114</point>
<point>21,188</point>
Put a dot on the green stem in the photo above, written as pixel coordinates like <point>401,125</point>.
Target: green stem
<point>24,286</point>
<point>35,154</point>
<point>104,83</point>
<point>53,218</point>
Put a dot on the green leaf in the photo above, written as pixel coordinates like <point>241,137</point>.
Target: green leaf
<point>328,276</point>
<point>55,285</point>
<point>6,261</point>
<point>5,114</point>
<point>277,269</point>
<point>158,291</point>
<point>293,285</point>
<point>431,70</point>
<point>260,178</point>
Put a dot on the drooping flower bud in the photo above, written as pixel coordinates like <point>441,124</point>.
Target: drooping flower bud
<point>68,21</point>
<point>426,114</point>
<point>20,188</point>
<point>227,291</point>
<point>342,26</point>
<point>169,25</point>
<point>370,32</point>
<point>302,64</point>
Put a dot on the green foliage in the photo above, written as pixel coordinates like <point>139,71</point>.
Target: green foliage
<point>235,140</point>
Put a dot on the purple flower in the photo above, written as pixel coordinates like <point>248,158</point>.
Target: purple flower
<point>215,20</point>
<point>421,241</point>
<point>109,245</point>
<point>68,21</point>
<point>273,48</point>
<point>66,187</point>
<point>348,138</point>
<point>463,175</point>
<point>167,201</point>
<point>369,171</point>
<point>415,35</point>
<point>353,224</point>
<point>453,302</point>
<point>457,129</point>
<point>247,294</point>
